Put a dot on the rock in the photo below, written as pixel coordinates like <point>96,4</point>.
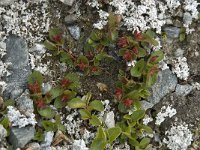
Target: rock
<point>183,90</point>
<point>25,105</point>
<point>166,83</point>
<point>46,87</point>
<point>110,119</point>
<point>17,54</point>
<point>19,137</point>
<point>187,18</point>
<point>75,31</point>
<point>6,2</point>
<point>70,19</point>
<point>172,32</point>
<point>3,133</point>
<point>68,2</point>
<point>48,140</point>
<point>146,105</point>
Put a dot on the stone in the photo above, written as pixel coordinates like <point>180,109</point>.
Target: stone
<point>110,119</point>
<point>75,31</point>
<point>46,87</point>
<point>6,2</point>
<point>25,104</point>
<point>17,54</point>
<point>68,2</point>
<point>172,32</point>
<point>70,19</point>
<point>146,105</point>
<point>19,137</point>
<point>3,133</point>
<point>187,18</point>
<point>183,90</point>
<point>48,140</point>
<point>165,84</point>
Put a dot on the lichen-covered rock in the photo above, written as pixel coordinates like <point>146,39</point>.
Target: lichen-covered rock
<point>6,2</point>
<point>110,119</point>
<point>17,54</point>
<point>3,133</point>
<point>75,31</point>
<point>172,32</point>
<point>19,137</point>
<point>48,140</point>
<point>165,84</point>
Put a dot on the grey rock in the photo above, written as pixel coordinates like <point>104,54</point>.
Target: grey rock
<point>110,119</point>
<point>48,140</point>
<point>70,19</point>
<point>68,2</point>
<point>146,105</point>
<point>19,137</point>
<point>179,52</point>
<point>183,90</point>
<point>17,54</point>
<point>46,87</point>
<point>172,32</point>
<point>6,2</point>
<point>3,133</point>
<point>165,84</point>
<point>25,104</point>
<point>187,18</point>
<point>75,31</point>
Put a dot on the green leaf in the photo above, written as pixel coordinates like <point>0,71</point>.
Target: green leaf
<point>149,39</point>
<point>66,58</point>
<point>95,121</point>
<point>133,142</point>
<point>137,115</point>
<point>56,92</point>
<point>5,122</point>
<point>113,134</point>
<point>47,112</point>
<point>85,114</point>
<point>137,70</point>
<point>86,98</point>
<point>98,144</point>
<point>50,46</point>
<point>61,127</point>
<point>83,59</point>
<point>151,79</point>
<point>97,105</point>
<point>182,37</point>
<point>122,108</point>
<point>156,57</point>
<point>76,103</point>
<point>49,126</point>
<point>96,35</point>
<point>144,142</point>
<point>53,32</point>
<point>141,52</point>
<point>146,129</point>
<point>9,102</point>
<point>151,33</point>
<point>75,79</point>
<point>39,136</point>
<point>36,76</point>
<point>58,103</point>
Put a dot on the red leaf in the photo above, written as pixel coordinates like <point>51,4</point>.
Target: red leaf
<point>82,66</point>
<point>138,35</point>
<point>118,93</point>
<point>122,42</point>
<point>34,88</point>
<point>128,55</point>
<point>128,102</point>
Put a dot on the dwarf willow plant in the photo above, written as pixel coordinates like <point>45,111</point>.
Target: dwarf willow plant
<point>132,86</point>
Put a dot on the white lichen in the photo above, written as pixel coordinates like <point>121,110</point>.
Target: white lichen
<point>28,19</point>
<point>103,19</point>
<point>178,137</point>
<point>164,113</point>
<point>18,119</point>
<point>147,119</point>
<point>180,68</point>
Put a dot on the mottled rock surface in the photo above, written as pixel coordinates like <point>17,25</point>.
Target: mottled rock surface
<point>165,84</point>
<point>74,31</point>
<point>19,137</point>
<point>17,54</point>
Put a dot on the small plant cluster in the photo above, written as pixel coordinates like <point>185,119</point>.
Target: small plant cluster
<point>57,97</point>
<point>132,86</point>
